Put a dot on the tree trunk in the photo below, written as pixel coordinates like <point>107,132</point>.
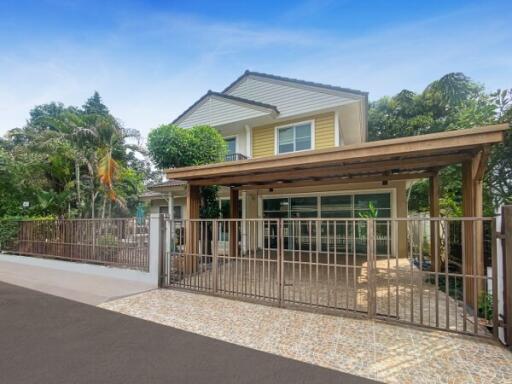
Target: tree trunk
<point>77,179</point>
<point>93,201</point>
<point>103,207</point>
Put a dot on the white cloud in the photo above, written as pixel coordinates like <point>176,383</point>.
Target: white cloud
<point>149,68</point>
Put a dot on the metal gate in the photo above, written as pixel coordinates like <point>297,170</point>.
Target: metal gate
<point>437,273</point>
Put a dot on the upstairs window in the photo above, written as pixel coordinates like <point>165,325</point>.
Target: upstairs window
<point>294,138</point>
<point>231,144</point>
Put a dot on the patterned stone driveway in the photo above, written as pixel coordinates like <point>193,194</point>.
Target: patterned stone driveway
<point>372,349</point>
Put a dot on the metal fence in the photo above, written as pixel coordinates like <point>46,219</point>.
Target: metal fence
<point>410,270</point>
<point>116,242</point>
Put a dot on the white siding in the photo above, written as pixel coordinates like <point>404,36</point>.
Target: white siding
<point>289,100</point>
<point>241,139</point>
<point>351,124</point>
<point>214,112</point>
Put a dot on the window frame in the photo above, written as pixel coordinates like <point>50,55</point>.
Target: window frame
<point>294,125</point>
<point>235,138</point>
<point>392,191</point>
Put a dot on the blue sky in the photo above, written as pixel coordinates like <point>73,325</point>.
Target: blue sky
<point>151,60</point>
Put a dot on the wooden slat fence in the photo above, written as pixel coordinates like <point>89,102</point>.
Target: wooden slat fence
<point>117,242</point>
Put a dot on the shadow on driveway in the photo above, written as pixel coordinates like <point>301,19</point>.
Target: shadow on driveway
<point>48,339</point>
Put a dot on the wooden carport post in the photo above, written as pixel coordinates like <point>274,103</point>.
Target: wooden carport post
<point>506,230</point>
<point>434,225</point>
<point>472,189</point>
<point>191,233</point>
<point>233,214</point>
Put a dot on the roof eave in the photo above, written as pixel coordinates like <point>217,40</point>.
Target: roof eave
<point>304,83</point>
<point>272,109</point>
<point>424,144</point>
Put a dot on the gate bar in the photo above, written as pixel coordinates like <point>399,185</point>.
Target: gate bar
<point>507,269</point>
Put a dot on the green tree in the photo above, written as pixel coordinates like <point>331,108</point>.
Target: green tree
<point>452,102</point>
<point>498,180</point>
<point>65,158</point>
<point>94,106</point>
<point>172,147</point>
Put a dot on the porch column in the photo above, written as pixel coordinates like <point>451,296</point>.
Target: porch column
<point>233,214</point>
<point>191,233</point>
<point>472,183</point>
<point>399,228</point>
<point>434,225</point>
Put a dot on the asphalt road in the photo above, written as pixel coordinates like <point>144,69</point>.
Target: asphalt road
<point>48,339</point>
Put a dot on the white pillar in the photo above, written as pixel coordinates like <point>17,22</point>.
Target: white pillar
<point>169,232</point>
<point>337,133</point>
<point>155,246</point>
<point>248,141</point>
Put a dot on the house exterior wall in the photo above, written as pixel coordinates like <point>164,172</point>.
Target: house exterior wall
<point>264,137</point>
<point>351,124</point>
<point>241,139</point>
<point>252,205</point>
<point>155,205</point>
<point>397,189</point>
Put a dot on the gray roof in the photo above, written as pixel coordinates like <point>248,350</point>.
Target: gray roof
<point>157,190</point>
<point>297,81</point>
<point>149,194</point>
<point>224,94</point>
<point>167,183</point>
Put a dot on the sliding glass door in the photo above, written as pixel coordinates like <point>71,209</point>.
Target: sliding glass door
<point>340,235</point>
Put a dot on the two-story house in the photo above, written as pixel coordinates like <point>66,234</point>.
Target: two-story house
<point>263,115</point>
<point>299,149</point>
<point>312,211</point>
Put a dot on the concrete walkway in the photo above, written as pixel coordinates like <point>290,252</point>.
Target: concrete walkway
<point>47,339</point>
<point>372,349</point>
<point>85,288</point>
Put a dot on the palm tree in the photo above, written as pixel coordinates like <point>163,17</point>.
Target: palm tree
<point>68,127</point>
<point>111,147</point>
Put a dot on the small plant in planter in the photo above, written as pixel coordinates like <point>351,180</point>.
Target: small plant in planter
<point>485,306</point>
<point>372,212</point>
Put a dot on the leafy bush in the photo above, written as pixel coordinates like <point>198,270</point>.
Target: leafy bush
<point>485,307</point>
<point>107,240</point>
<point>8,232</point>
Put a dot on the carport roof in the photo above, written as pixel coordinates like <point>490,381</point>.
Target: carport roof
<point>402,158</point>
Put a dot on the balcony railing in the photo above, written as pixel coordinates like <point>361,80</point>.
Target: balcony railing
<point>235,156</point>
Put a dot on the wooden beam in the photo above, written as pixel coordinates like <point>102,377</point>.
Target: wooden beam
<point>339,170</point>
<point>480,163</point>
<point>431,144</point>
<point>233,225</point>
<point>434,225</point>
<point>339,180</point>
<point>472,189</point>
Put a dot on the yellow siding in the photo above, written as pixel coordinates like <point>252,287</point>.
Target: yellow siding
<point>324,131</point>
<point>263,140</point>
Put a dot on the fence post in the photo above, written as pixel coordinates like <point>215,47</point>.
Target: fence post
<point>155,248</point>
<point>506,212</point>
<point>215,246</point>
<point>280,262</point>
<point>370,251</point>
